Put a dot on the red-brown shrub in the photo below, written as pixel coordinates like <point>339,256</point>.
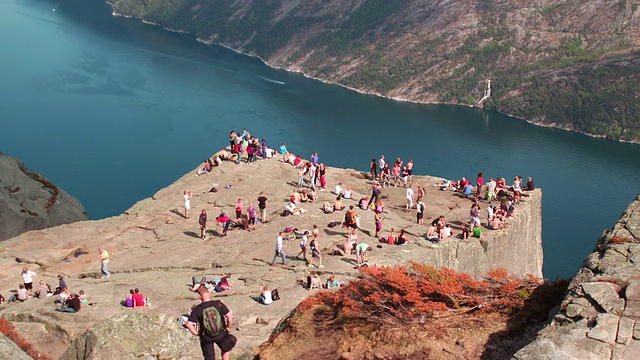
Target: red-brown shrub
<point>397,295</point>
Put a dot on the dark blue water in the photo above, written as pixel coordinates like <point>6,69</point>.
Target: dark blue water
<point>113,110</point>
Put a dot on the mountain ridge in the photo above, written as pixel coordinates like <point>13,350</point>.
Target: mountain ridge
<point>567,64</point>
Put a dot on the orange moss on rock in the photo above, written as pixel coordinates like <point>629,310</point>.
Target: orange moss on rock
<point>10,332</point>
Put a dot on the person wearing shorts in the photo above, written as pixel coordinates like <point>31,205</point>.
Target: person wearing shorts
<point>27,279</point>
<point>315,253</point>
<point>362,250</point>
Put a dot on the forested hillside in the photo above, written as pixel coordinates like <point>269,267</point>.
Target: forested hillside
<point>568,63</point>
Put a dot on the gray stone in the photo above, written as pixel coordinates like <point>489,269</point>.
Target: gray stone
<point>9,350</point>
<point>605,329</point>
<point>28,201</point>
<point>542,350</point>
<point>625,331</point>
<point>632,292</point>
<point>605,295</point>
<point>573,310</point>
<point>626,352</point>
<point>632,309</point>
<point>579,347</point>
<point>636,330</point>
<point>132,336</point>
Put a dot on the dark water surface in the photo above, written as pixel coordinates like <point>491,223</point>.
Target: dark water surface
<point>113,110</point>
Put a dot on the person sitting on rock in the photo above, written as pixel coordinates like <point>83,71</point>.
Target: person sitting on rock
<point>379,206</point>
<point>312,195</point>
<point>313,282</point>
<point>432,233</point>
<point>332,282</point>
<point>347,193</point>
<point>363,203</point>
<point>304,196</point>
<point>445,232</point>
<point>465,232</point>
<point>337,205</point>
<point>61,285</point>
<point>339,190</point>
<point>138,299</point>
<point>83,297</point>
<point>530,185</point>
<point>265,295</point>
<point>21,295</point>
<point>402,238</point>
<point>42,290</point>
<point>496,223</point>
<point>391,238</point>
<point>72,304</point>
<point>477,231</point>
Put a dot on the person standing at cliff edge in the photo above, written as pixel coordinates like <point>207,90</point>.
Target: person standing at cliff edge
<point>104,262</point>
<point>197,316</point>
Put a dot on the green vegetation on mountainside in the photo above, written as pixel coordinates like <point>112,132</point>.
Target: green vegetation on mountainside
<point>544,65</point>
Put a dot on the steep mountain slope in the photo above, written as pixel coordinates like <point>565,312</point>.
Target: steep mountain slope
<point>28,201</point>
<point>568,63</point>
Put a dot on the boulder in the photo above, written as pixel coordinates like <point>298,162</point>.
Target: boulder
<point>9,350</point>
<point>606,328</point>
<point>28,201</point>
<point>605,295</point>
<point>133,336</point>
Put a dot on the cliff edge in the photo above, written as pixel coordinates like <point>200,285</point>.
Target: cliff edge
<point>153,247</point>
<point>600,315</point>
<point>28,201</point>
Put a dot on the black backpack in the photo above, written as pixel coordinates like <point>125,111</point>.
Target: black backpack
<point>348,218</point>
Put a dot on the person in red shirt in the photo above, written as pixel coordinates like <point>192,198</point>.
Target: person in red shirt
<point>138,299</point>
<point>479,183</point>
<point>224,221</point>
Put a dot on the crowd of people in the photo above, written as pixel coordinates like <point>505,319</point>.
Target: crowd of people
<point>311,179</point>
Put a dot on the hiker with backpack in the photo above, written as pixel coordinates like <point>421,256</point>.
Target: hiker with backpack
<point>214,319</point>
<point>350,220</point>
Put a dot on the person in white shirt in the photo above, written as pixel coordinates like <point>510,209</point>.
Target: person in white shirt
<point>27,277</point>
<point>339,189</point>
<point>279,250</point>
<point>410,198</point>
<point>268,152</point>
<point>347,193</point>
<point>265,295</point>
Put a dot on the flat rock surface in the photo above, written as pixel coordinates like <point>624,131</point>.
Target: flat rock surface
<point>153,247</point>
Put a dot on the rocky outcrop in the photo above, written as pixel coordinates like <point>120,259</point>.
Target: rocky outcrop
<point>600,316</point>
<point>28,201</point>
<point>133,336</point>
<point>9,350</point>
<point>155,248</point>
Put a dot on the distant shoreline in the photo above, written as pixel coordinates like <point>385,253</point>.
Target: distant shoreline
<point>366,92</point>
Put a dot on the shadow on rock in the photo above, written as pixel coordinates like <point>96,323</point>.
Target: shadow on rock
<point>523,324</point>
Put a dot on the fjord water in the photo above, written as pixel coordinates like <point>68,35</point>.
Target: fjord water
<point>113,110</point>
